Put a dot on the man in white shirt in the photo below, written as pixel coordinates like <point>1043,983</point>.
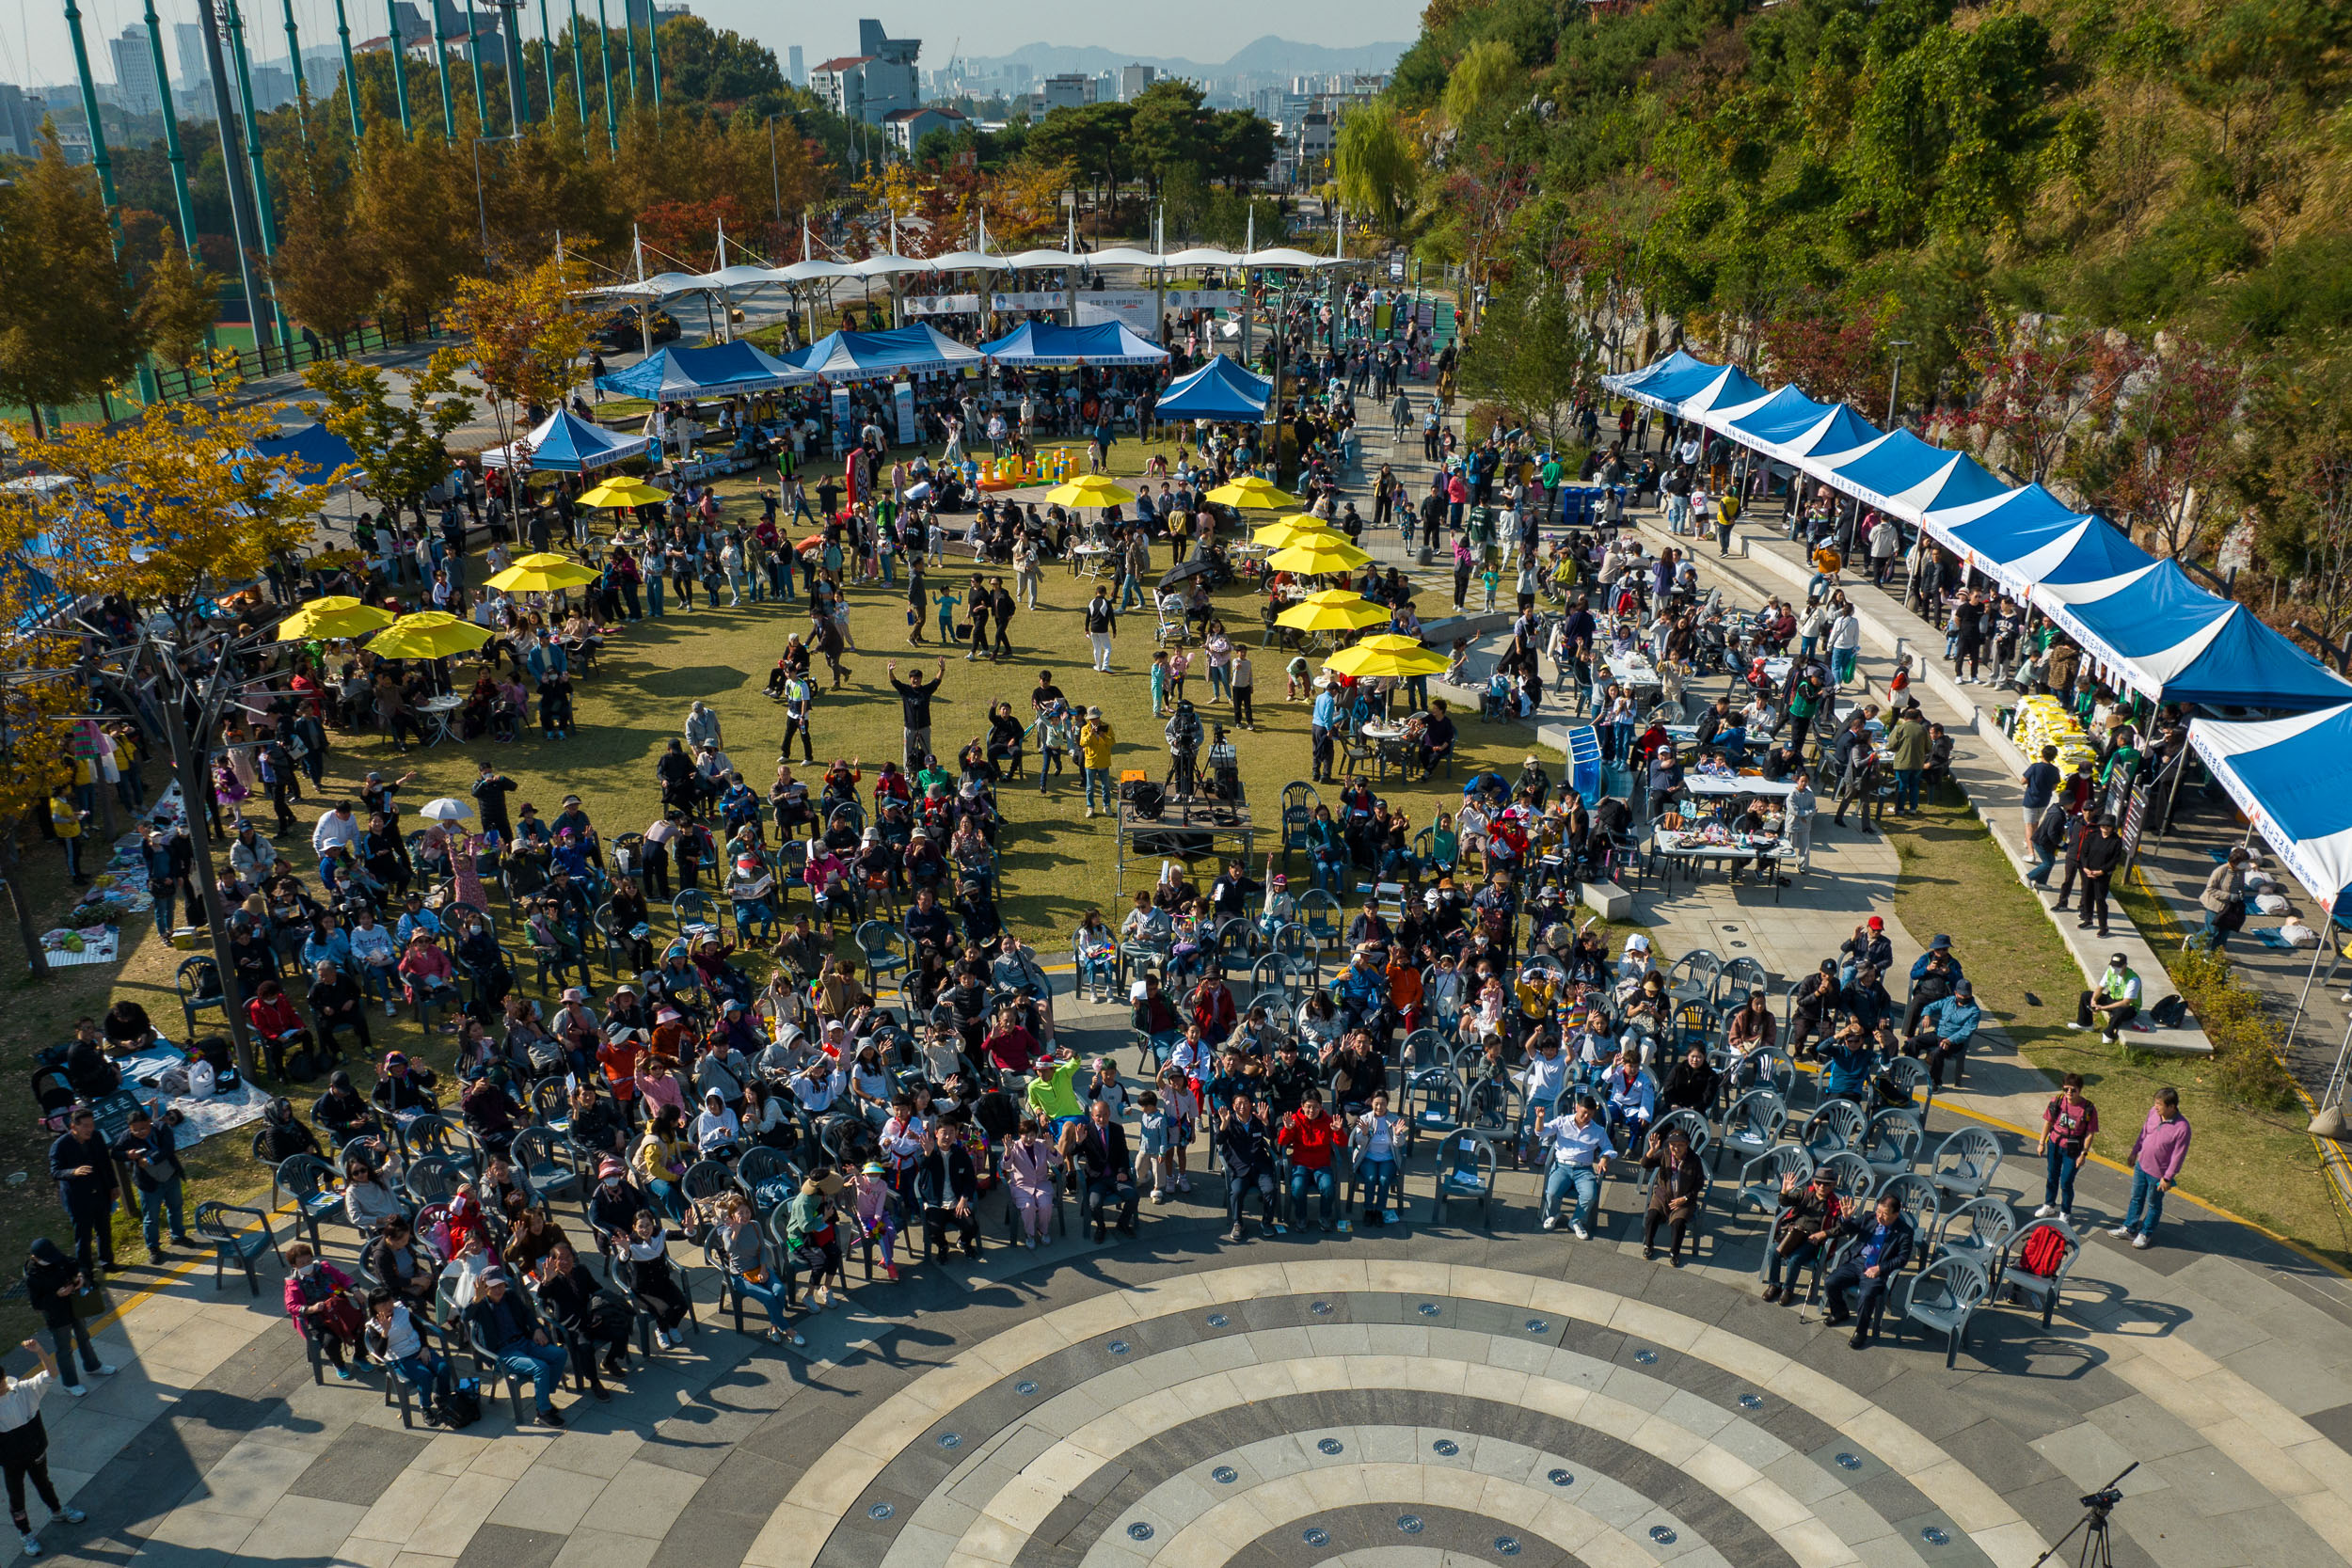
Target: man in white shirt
<point>337,827</point>
<point>1581,1152</point>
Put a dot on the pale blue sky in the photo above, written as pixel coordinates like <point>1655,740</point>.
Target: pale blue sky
<point>35,48</point>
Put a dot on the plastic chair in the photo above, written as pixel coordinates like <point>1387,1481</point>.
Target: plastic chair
<point>1741,979</point>
<point>624,1281</point>
<point>706,1180</point>
<point>1838,1125</point>
<point>1910,1076</point>
<point>1693,1023</point>
<point>234,1244</point>
<point>309,1182</point>
<point>694,907</point>
<point>1432,1103</point>
<point>1751,1126</point>
<point>1989,1224</point>
<point>539,1161</point>
<point>192,998</point>
<point>1694,976</point>
<point>882,951</point>
<point>1943,1297</point>
<point>2020,1281</point>
<point>1466,1168</point>
<point>1891,1141</point>
<point>432,1179</point>
<point>1974,1154</point>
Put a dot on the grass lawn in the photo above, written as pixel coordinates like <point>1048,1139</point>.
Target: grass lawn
<point>1055,861</point>
<point>2258,1165</point>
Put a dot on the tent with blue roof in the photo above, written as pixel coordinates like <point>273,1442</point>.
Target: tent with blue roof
<point>1667,383</point>
<point>1841,432</point>
<point>1783,417</point>
<point>1221,390</point>
<point>722,369</point>
<point>567,444</point>
<point>1728,396</point>
<point>2287,775</point>
<point>315,452</point>
<point>2174,641</point>
<point>1097,343</point>
<point>885,355</point>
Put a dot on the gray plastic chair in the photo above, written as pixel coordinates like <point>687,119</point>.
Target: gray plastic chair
<point>1945,1297</point>
<point>1963,1163</point>
<point>2044,1289</point>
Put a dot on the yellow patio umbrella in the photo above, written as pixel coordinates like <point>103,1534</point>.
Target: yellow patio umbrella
<point>1333,610</point>
<point>1318,557</point>
<point>1291,529</point>
<point>1395,664</point>
<point>1253,494</point>
<point>1091,490</point>
<point>624,491</point>
<point>427,634</point>
<point>543,573</point>
<point>331,619</point>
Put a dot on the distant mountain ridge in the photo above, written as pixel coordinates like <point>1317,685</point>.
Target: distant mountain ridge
<point>1267,56</point>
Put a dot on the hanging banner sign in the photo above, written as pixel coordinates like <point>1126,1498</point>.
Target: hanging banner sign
<point>941,304</point>
<point>1134,307</point>
<point>1040,299</point>
<point>844,424</point>
<point>1204,299</point>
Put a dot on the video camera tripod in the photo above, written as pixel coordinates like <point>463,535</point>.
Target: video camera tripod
<point>2096,1551</point>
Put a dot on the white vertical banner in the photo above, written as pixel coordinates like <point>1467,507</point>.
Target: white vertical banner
<point>844,427</point>
<point>902,399</point>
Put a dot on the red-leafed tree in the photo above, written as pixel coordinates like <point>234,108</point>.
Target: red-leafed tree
<point>2170,442</point>
<point>1833,352</point>
<point>2043,385</point>
<point>688,232</point>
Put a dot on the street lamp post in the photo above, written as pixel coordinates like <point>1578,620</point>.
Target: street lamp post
<point>775,176</point>
<point>1895,386</point>
<point>482,205</point>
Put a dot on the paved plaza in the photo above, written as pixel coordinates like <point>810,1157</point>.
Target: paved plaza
<point>1445,1391</point>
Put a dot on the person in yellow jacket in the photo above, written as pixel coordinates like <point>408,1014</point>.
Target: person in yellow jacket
<point>1095,740</point>
<point>65,820</point>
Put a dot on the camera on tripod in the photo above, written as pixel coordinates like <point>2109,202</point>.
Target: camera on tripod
<point>2105,1501</point>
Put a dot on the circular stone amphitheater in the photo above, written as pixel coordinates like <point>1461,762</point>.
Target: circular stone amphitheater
<point>1438,1394</point>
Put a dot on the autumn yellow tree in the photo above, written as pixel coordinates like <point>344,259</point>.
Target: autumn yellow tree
<point>161,509</point>
<point>521,337</point>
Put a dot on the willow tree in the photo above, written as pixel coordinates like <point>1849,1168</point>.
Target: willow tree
<point>1377,172</point>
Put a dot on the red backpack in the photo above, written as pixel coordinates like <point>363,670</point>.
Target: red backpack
<point>2044,1250</point>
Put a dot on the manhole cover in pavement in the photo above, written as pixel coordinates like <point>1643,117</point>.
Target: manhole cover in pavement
<point>1025,1389</point>
<point>1646,1357</point>
<point>1446,1448</point>
<point>1332,1445</point>
<point>1118,1347</point>
<point>881,1510</point>
<point>1138,1531</point>
<point>1537,1325</point>
<point>1317,1538</point>
<point>1507,1544</point>
<point>1430,1309</point>
<point>1218,1319</point>
<point>1660,1534</point>
<point>1751,1401</point>
<point>1225,1475</point>
<point>1408,1523</point>
<point>1563,1477</point>
<point>1934,1537</point>
<point>1848,1462</point>
<point>950,1440</point>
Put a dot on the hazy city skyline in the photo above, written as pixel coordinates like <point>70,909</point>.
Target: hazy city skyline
<point>37,49</point>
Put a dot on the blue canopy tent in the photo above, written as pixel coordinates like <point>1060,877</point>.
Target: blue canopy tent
<point>1730,393</point>
<point>1842,432</point>
<point>567,444</point>
<point>2023,537</point>
<point>1221,390</point>
<point>719,371</point>
<point>1892,466</point>
<point>315,452</point>
<point>2287,775</point>
<point>1668,384</point>
<point>1784,416</point>
<point>1101,344</point>
<point>885,355</point>
<point>2171,641</point>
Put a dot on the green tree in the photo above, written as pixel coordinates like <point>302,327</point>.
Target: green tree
<point>1170,130</point>
<point>1531,357</point>
<point>1378,170</point>
<point>402,447</point>
<point>1094,136</point>
<point>1486,74</point>
<point>177,301</point>
<point>69,316</point>
<point>408,216</point>
<point>1245,148</point>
